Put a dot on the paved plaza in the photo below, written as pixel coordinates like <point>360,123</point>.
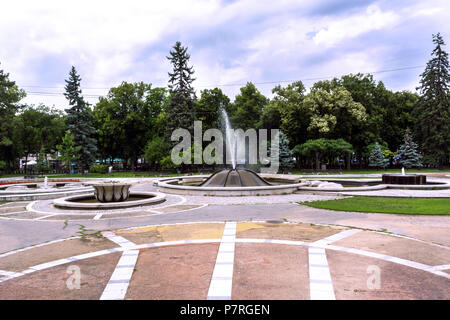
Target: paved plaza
<point>198,247</point>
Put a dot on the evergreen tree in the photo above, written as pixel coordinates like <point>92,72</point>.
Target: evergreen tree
<point>377,158</point>
<point>80,121</point>
<point>180,111</point>
<point>409,156</point>
<point>433,108</point>
<point>285,154</point>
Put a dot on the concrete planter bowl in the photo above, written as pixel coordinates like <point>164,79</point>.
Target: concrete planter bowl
<point>111,191</point>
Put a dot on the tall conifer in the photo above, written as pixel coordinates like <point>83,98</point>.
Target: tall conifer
<point>432,111</point>
<point>180,111</point>
<point>80,121</point>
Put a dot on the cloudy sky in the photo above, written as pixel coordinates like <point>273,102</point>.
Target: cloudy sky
<point>230,42</point>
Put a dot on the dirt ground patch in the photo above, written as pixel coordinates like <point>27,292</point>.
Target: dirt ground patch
<point>270,272</point>
<point>173,232</point>
<point>351,274</point>
<point>397,247</point>
<point>175,272</point>
<point>51,284</point>
<point>284,231</point>
<point>28,258</point>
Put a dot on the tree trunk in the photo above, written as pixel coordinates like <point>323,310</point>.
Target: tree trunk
<point>348,160</point>
<point>317,161</point>
<point>26,161</point>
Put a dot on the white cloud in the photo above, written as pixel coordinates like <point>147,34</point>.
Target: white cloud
<point>263,41</point>
<point>338,30</point>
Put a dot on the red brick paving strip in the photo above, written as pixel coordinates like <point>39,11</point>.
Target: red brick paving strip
<point>175,272</point>
<point>270,271</point>
<point>50,284</point>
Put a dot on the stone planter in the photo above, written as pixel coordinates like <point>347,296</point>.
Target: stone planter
<point>111,191</point>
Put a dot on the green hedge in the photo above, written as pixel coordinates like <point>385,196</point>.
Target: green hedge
<point>99,168</point>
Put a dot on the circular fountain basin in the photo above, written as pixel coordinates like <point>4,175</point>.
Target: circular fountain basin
<point>88,201</point>
<point>27,191</point>
<point>228,183</point>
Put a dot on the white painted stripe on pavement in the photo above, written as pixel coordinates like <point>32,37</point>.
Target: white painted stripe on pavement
<point>121,241</point>
<point>117,286</point>
<point>98,216</point>
<point>320,284</point>
<point>441,267</point>
<point>222,277</point>
<point>335,237</point>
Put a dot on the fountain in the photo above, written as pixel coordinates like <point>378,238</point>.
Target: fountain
<point>229,182</point>
<point>111,191</point>
<point>21,190</point>
<point>109,195</point>
<point>403,178</point>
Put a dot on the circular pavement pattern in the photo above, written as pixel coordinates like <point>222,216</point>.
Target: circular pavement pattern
<point>229,260</point>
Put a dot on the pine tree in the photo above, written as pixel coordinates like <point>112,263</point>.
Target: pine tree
<point>377,158</point>
<point>285,154</point>
<point>408,154</point>
<point>80,121</point>
<point>433,108</point>
<point>180,111</point>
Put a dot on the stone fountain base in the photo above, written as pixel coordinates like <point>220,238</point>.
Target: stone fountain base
<point>409,179</point>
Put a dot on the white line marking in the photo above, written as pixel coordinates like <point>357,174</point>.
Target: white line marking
<point>335,237</point>
<point>121,241</point>
<point>222,277</point>
<point>441,267</point>
<point>320,283</point>
<point>43,217</point>
<point>11,213</point>
<point>10,273</point>
<point>35,246</point>
<point>384,257</point>
<point>98,216</point>
<point>117,286</point>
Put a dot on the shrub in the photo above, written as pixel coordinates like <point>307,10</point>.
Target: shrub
<point>99,168</point>
<point>166,163</point>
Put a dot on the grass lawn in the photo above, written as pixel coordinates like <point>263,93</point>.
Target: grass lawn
<point>386,205</point>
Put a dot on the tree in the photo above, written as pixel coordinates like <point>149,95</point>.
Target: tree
<point>247,108</point>
<point>409,156</point>
<point>375,98</point>
<point>10,95</point>
<point>127,118</point>
<point>334,113</point>
<point>286,155</point>
<point>377,158</point>
<point>180,111</point>
<point>68,151</point>
<point>80,121</point>
<point>208,108</point>
<point>155,150</point>
<point>433,108</point>
<point>322,148</point>
<point>294,117</point>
